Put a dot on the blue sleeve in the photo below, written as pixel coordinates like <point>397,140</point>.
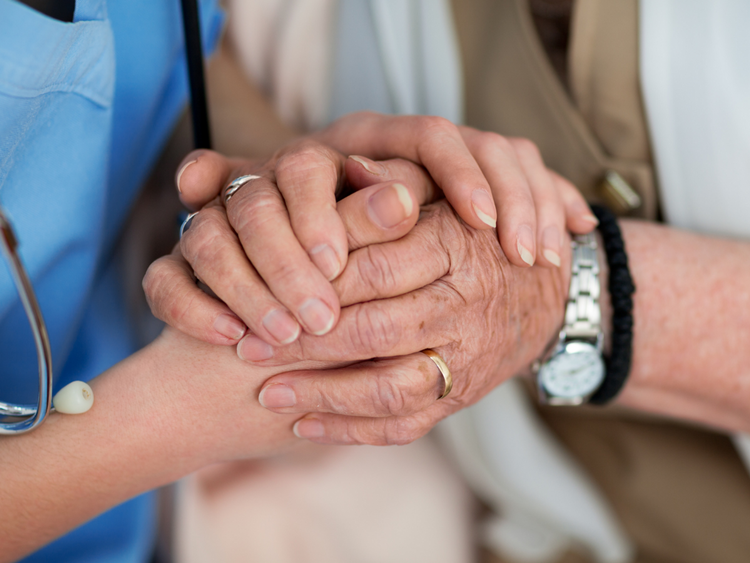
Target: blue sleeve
<point>85,109</point>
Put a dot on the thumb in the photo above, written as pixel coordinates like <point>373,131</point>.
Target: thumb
<point>201,176</point>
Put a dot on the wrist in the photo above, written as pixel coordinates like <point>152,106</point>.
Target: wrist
<point>541,304</point>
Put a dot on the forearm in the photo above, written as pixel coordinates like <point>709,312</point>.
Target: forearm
<point>691,347</point>
<point>243,121</point>
<point>74,467</point>
<point>158,415</point>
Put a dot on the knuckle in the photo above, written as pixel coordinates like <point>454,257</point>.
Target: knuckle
<point>358,434</point>
<point>401,391</point>
<point>526,148</point>
<point>154,277</point>
<point>209,228</point>
<point>388,397</point>
<point>288,274</point>
<point>373,330</point>
<point>449,237</point>
<point>309,158</point>
<point>258,205</point>
<point>436,125</point>
<point>376,271</point>
<point>166,298</point>
<point>156,284</point>
<point>179,309</point>
<point>400,431</point>
<point>488,144</point>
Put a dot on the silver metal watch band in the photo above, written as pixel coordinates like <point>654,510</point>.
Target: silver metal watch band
<point>582,314</point>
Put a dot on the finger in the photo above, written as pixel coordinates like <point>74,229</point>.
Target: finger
<point>384,328</point>
<point>380,271</point>
<point>201,176</point>
<point>376,388</point>
<point>431,141</point>
<point>362,172</point>
<point>515,204</point>
<point>550,213</point>
<point>175,298</point>
<point>307,178</point>
<point>259,217</point>
<point>379,213</point>
<point>579,218</point>
<point>336,429</point>
<point>215,254</point>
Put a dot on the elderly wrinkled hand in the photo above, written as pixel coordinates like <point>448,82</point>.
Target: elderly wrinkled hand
<point>444,286</point>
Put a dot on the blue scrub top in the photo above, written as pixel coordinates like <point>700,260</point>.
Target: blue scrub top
<point>85,109</point>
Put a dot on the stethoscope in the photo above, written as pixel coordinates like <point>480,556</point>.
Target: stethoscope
<point>77,397</point>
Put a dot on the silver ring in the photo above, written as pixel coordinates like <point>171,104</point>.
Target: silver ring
<point>186,223</point>
<point>232,188</point>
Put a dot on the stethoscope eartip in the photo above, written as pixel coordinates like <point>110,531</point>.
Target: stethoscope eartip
<point>75,398</point>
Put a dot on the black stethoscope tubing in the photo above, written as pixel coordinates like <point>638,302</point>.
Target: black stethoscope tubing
<point>194,51</point>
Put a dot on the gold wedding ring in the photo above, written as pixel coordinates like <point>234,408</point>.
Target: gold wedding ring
<point>443,369</point>
<point>232,188</point>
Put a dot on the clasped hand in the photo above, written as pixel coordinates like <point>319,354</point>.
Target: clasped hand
<point>370,281</point>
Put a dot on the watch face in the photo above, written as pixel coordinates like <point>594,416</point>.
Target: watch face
<point>576,372</point>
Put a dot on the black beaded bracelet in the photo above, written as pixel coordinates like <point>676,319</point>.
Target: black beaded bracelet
<point>621,289</point>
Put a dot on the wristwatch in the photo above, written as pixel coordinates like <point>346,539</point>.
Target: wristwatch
<point>573,368</point>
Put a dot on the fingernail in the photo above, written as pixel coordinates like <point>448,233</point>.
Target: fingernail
<point>524,243</point>
<point>326,260</point>
<point>316,316</point>
<point>253,349</point>
<point>552,256</point>
<point>390,205</point>
<point>551,244</point>
<point>308,428</point>
<point>484,207</point>
<point>282,326</point>
<point>277,396</point>
<point>181,172</point>
<point>590,218</point>
<point>229,326</point>
<point>371,166</point>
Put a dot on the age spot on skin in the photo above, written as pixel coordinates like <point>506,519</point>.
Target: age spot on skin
<point>421,325</point>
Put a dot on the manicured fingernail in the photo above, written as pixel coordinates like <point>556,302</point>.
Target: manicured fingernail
<point>282,326</point>
<point>181,172</point>
<point>590,218</point>
<point>552,256</point>
<point>277,396</point>
<point>371,166</point>
<point>229,326</point>
<point>524,243</point>
<point>316,316</point>
<point>390,205</point>
<point>326,260</point>
<point>253,349</point>
<point>484,207</point>
<point>551,244</point>
<point>309,428</point>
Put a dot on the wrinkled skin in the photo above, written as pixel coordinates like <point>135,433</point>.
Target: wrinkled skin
<point>271,256</point>
<point>487,318</point>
